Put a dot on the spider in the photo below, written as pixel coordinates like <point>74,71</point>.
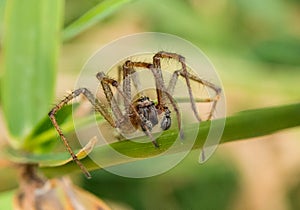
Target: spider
<point>141,113</point>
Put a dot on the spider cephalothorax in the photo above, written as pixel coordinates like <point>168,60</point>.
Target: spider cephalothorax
<point>141,113</point>
<point>148,115</point>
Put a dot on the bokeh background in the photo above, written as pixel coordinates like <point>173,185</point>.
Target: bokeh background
<point>255,47</point>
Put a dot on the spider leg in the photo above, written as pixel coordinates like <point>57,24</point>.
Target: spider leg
<point>109,97</point>
<point>176,109</point>
<point>214,99</point>
<point>184,73</point>
<point>161,55</point>
<point>98,107</point>
<point>128,75</point>
<point>147,127</point>
<point>161,91</point>
<point>214,87</point>
<point>119,79</point>
<point>106,81</point>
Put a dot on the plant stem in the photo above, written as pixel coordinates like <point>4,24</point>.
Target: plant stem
<point>244,125</point>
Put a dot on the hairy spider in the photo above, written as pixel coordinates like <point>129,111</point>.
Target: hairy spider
<point>141,113</point>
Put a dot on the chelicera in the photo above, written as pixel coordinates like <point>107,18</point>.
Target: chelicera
<point>141,113</point>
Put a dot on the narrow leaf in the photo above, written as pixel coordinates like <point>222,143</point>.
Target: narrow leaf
<point>30,48</point>
<point>82,153</point>
<point>33,142</point>
<point>244,125</point>
<point>91,17</point>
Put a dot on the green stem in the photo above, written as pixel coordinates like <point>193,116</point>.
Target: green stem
<point>244,125</point>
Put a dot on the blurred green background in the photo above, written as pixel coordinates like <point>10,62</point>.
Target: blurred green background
<point>255,47</point>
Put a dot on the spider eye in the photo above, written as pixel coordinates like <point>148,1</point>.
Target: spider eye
<point>143,98</point>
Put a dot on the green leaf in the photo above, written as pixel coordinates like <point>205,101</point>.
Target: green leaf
<point>91,17</point>
<point>22,157</point>
<point>244,125</point>
<point>46,124</point>
<point>45,132</point>
<point>30,47</point>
